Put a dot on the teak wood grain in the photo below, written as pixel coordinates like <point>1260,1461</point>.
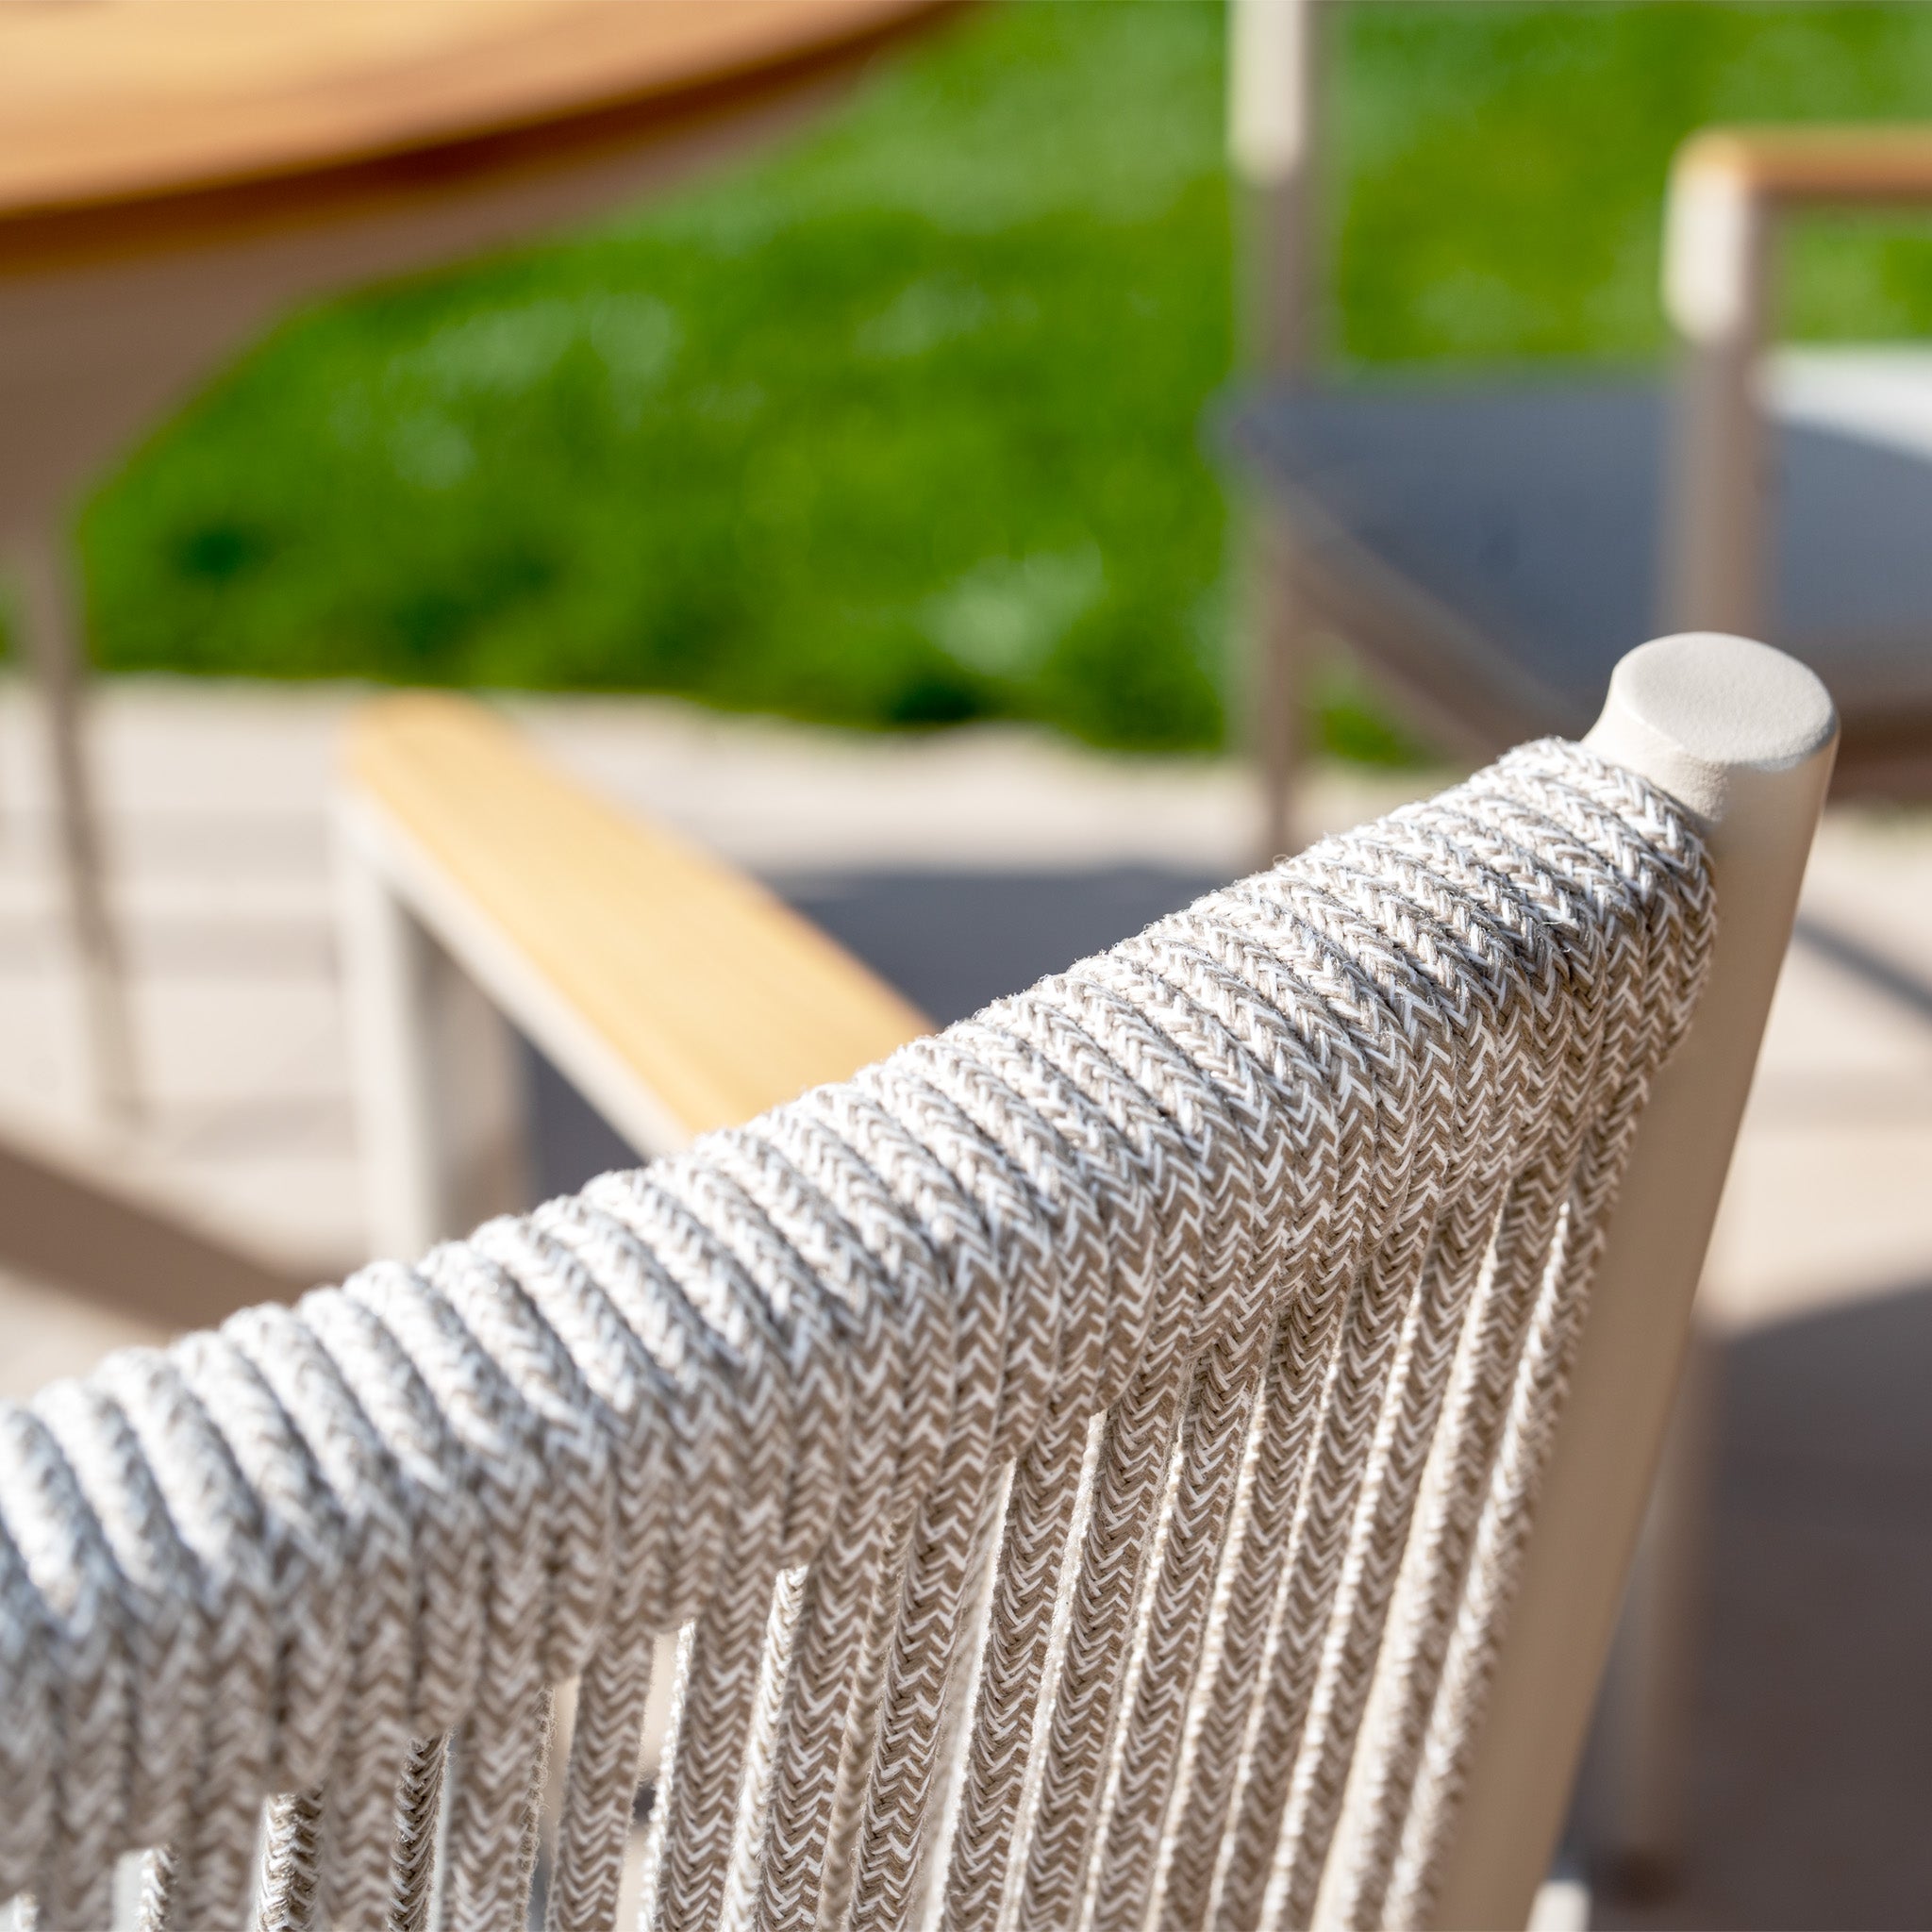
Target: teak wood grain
<point>713,994</point>
<point>132,125</point>
<point>1817,164</point>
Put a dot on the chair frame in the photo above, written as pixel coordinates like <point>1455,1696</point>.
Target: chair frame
<point>482,894</point>
<point>1745,738</point>
<point>1729,190</point>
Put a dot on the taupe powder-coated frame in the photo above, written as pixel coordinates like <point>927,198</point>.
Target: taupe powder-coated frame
<point>1745,737</point>
<point>1728,190</point>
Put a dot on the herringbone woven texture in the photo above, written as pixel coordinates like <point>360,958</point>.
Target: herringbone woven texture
<point>1087,1456</point>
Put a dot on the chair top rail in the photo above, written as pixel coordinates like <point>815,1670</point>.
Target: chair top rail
<point>680,994</point>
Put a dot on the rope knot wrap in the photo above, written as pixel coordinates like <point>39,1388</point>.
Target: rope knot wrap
<point>1087,1456</point>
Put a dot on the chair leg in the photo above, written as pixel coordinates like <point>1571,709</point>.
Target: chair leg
<point>1635,1800</point>
<point>53,653</point>
<point>1276,618</point>
<point>437,1072</point>
<point>1275,62</point>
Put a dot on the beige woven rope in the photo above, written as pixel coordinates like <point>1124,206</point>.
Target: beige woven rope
<point>1088,1456</point>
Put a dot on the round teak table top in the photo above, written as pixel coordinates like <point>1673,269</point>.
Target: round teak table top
<point>194,108</point>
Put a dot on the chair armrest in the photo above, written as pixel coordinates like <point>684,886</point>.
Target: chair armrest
<point>1727,185</point>
<point>1726,181</point>
<point>1817,163</point>
<point>678,994</point>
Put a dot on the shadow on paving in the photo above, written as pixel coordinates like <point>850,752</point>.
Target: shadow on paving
<point>1811,1771</point>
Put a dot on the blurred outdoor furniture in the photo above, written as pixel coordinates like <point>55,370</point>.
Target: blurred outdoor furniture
<point>116,1238</point>
<point>1489,549</point>
<point>822,1394</point>
<point>175,173</point>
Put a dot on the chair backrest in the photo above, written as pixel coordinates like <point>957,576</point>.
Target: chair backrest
<point>1091,1457</point>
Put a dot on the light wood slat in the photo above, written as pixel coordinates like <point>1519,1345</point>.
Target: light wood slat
<point>704,988</point>
<point>1819,164</point>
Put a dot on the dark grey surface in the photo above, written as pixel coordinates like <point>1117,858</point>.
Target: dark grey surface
<point>1533,512</point>
<point>949,942</point>
<point>571,1143</point>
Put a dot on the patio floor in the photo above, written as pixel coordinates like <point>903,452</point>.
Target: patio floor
<point>964,865</point>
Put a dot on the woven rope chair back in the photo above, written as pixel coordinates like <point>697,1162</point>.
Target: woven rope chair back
<point>1086,1455</point>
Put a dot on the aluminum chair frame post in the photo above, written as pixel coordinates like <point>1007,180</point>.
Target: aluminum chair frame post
<point>1273,73</point>
<point>50,628</point>
<point>1743,736</point>
<point>1278,608</point>
<point>1717,273</point>
<point>1632,1796</point>
<point>435,1068</point>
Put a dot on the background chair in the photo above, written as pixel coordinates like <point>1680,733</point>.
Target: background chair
<point>1489,549</point>
<point>880,1397</point>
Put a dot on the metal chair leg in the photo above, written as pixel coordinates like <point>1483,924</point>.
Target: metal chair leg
<point>54,654</point>
<point>1275,620</point>
<point>1635,1804</point>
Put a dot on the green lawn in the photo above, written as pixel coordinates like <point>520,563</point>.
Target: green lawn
<point>901,425</point>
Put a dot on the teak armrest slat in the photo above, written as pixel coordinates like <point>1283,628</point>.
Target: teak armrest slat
<point>712,994</point>
<point>1818,164</point>
<point>1729,188</point>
